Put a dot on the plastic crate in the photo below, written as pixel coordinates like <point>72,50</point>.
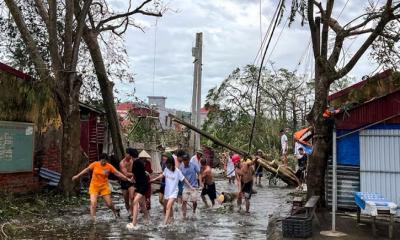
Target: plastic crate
<point>297,226</point>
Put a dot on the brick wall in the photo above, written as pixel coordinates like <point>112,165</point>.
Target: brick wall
<point>48,150</point>
<point>19,182</point>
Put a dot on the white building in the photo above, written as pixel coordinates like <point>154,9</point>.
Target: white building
<point>158,103</point>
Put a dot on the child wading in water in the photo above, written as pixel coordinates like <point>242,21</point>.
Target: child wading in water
<point>172,177</point>
<point>99,185</point>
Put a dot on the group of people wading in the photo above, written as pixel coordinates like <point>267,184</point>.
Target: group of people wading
<point>181,180</point>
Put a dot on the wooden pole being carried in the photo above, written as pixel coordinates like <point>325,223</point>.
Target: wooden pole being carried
<point>286,174</point>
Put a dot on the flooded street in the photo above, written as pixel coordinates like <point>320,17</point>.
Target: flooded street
<point>217,223</point>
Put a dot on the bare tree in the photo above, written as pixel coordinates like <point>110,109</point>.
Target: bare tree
<point>101,20</point>
<point>61,75</point>
<point>372,24</point>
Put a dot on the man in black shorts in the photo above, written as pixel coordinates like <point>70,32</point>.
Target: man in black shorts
<point>302,165</point>
<point>207,181</point>
<point>125,166</point>
<point>141,187</point>
<point>244,177</point>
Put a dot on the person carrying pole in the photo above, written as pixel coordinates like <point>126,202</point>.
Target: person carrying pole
<point>207,182</point>
<point>244,179</point>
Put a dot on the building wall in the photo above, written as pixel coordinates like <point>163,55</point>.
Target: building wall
<point>348,150</point>
<point>348,147</point>
<point>158,101</point>
<point>380,162</point>
<point>203,118</point>
<point>23,101</point>
<point>19,182</point>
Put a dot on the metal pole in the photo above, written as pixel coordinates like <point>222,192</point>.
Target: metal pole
<point>333,232</point>
<point>334,180</point>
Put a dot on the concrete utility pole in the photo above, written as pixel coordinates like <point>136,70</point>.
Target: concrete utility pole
<point>196,98</point>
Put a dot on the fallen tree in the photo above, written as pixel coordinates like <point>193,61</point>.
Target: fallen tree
<point>286,174</point>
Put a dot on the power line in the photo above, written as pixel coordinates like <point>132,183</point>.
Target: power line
<point>299,62</point>
<point>261,35</point>
<point>345,5</point>
<point>154,56</point>
<point>277,11</point>
<point>267,33</point>
<point>277,40</point>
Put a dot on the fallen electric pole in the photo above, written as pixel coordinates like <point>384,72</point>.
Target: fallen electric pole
<point>286,174</point>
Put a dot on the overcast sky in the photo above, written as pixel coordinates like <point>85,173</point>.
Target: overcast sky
<point>231,38</point>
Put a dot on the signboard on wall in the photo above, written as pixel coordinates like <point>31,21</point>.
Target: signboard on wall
<point>16,146</point>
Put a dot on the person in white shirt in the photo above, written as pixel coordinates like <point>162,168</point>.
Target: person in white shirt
<point>284,146</point>
<point>172,177</point>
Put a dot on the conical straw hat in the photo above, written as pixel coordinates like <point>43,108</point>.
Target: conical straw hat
<point>144,154</point>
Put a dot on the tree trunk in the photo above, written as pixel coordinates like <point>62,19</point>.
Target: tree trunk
<point>318,159</point>
<point>106,87</point>
<point>68,107</point>
<point>294,114</point>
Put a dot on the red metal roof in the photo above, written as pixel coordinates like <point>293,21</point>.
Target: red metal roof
<point>126,106</point>
<point>371,112</point>
<point>203,110</point>
<point>358,85</point>
<point>13,71</point>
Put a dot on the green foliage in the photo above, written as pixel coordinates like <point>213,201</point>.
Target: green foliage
<point>142,129</point>
<point>36,205</point>
<point>231,107</point>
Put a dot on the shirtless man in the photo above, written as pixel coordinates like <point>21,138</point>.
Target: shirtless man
<point>207,182</point>
<point>127,188</point>
<point>244,180</point>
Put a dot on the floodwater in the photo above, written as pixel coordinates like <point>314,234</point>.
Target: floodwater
<point>220,222</point>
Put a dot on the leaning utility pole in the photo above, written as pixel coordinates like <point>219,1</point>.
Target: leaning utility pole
<point>196,98</point>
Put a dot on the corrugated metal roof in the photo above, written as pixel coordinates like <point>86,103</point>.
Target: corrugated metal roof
<point>358,85</point>
<point>370,112</point>
<point>15,72</point>
<point>380,162</point>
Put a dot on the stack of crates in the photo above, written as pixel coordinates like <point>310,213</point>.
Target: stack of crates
<point>297,226</point>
